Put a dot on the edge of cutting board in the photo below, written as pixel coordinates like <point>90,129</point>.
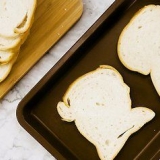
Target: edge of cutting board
<point>53,18</point>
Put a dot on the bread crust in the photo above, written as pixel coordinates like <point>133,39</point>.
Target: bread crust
<point>11,42</point>
<point>138,45</point>
<point>24,24</point>
<point>99,104</point>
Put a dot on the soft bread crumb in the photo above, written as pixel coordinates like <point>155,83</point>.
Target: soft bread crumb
<point>100,105</point>
<point>16,19</point>
<point>139,43</point>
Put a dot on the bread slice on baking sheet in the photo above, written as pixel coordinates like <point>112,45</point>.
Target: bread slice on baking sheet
<point>100,105</point>
<point>139,43</point>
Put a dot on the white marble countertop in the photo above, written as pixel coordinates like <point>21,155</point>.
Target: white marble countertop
<point>15,142</point>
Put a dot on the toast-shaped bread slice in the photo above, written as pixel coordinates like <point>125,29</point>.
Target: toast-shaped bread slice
<point>139,43</point>
<point>99,103</point>
<point>16,16</point>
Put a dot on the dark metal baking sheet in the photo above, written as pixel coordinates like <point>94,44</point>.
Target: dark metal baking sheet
<point>37,111</point>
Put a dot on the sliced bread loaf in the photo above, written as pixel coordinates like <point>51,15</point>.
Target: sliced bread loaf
<point>99,103</point>
<point>16,16</point>
<point>139,43</point>
<point>16,19</point>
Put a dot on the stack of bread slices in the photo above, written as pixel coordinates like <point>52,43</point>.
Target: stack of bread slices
<point>16,19</point>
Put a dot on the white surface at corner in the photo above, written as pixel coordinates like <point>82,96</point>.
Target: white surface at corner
<point>16,143</point>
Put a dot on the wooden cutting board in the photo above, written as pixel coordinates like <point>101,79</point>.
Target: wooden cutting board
<point>53,18</point>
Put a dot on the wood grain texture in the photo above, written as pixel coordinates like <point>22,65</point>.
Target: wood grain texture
<point>53,18</point>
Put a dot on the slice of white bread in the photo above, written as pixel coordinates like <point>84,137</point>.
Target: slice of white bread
<point>5,69</point>
<point>16,16</point>
<point>7,43</point>
<point>29,18</point>
<point>6,56</point>
<point>16,19</point>
<point>139,43</point>
<point>11,47</point>
<point>13,43</point>
<point>99,103</point>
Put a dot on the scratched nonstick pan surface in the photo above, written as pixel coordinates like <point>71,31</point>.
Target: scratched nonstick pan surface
<point>98,46</point>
